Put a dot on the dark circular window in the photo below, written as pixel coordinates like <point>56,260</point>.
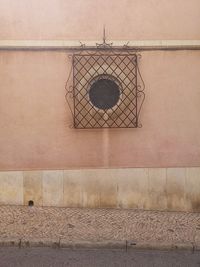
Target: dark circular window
<point>104,93</point>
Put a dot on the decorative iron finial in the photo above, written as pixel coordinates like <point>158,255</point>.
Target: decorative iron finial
<point>82,45</point>
<point>104,44</point>
<point>104,34</point>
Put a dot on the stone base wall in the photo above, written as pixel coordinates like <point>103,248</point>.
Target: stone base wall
<point>173,189</point>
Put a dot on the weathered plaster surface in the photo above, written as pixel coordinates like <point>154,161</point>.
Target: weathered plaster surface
<point>35,133</point>
<point>35,120</point>
<point>84,19</point>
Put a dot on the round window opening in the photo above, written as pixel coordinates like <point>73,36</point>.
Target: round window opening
<point>104,93</point>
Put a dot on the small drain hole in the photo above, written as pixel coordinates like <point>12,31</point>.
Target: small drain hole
<point>31,203</point>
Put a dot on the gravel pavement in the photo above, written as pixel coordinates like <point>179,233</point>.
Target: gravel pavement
<point>99,225</point>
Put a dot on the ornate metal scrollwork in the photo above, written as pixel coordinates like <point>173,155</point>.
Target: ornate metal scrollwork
<point>105,88</point>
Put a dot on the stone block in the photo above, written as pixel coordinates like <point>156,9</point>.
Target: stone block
<point>176,189</point>
<point>52,188</point>
<point>133,188</point>
<point>33,187</point>
<point>72,196</point>
<point>90,188</point>
<point>157,198</point>
<point>192,189</point>
<point>100,188</point>
<point>11,189</point>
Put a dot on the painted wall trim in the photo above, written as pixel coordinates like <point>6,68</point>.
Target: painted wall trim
<point>76,44</point>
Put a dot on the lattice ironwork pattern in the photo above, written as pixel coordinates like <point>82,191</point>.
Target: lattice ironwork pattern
<point>105,90</point>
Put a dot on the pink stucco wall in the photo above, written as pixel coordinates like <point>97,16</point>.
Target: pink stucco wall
<point>35,119</point>
<point>84,19</point>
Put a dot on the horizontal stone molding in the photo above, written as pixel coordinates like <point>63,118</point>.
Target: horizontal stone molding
<point>173,189</point>
<point>76,44</point>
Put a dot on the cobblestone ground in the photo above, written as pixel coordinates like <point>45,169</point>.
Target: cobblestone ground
<point>98,224</point>
<point>48,257</point>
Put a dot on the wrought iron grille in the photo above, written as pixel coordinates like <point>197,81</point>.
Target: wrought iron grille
<point>105,90</point>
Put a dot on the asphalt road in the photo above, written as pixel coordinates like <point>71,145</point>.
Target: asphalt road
<point>14,257</point>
